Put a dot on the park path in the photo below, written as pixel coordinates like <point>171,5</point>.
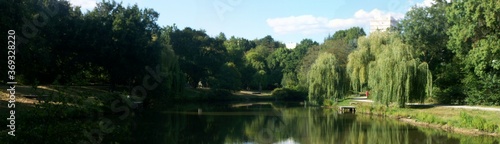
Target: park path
<point>365,99</point>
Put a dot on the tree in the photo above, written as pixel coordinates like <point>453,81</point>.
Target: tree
<point>305,65</point>
<point>277,62</point>
<point>228,77</point>
<point>269,42</point>
<point>349,36</point>
<point>290,78</point>
<point>235,50</point>
<point>260,78</point>
<point>256,58</point>
<point>173,80</point>
<point>395,74</point>
<point>474,38</point>
<point>337,47</point>
<point>327,79</point>
<point>41,44</point>
<point>301,49</point>
<point>200,55</point>
<point>424,28</point>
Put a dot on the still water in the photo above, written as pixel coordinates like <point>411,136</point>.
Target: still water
<point>268,122</point>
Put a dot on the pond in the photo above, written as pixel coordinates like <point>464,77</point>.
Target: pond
<point>268,122</point>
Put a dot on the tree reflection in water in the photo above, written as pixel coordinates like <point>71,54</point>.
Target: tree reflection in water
<point>275,123</point>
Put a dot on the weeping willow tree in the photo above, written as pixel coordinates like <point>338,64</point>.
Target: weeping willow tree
<point>357,67</point>
<point>327,79</point>
<point>390,69</point>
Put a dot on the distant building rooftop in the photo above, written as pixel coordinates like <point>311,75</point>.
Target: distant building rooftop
<point>291,45</point>
<point>382,23</point>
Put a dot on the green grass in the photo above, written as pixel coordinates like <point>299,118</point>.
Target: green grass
<point>487,121</point>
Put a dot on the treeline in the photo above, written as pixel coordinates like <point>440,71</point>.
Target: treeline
<point>111,45</point>
<point>119,45</point>
<point>448,52</point>
<point>460,43</point>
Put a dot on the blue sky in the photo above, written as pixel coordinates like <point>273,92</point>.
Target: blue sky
<point>286,21</point>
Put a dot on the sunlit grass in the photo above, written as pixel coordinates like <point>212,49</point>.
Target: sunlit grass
<point>487,121</point>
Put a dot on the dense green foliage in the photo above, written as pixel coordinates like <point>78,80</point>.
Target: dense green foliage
<point>459,41</point>
<point>476,44</point>
<point>390,69</point>
<point>288,94</point>
<point>117,46</point>
<point>424,29</point>
<point>111,44</point>
<point>327,79</point>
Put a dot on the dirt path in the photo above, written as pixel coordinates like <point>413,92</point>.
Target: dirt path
<point>365,99</point>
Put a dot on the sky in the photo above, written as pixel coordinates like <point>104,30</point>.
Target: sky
<point>288,21</point>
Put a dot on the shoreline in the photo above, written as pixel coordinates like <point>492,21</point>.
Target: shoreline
<point>421,123</point>
<point>448,128</point>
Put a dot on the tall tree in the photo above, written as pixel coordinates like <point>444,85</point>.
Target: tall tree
<point>228,78</point>
<point>424,28</point>
<point>290,78</point>
<point>474,38</point>
<point>277,62</point>
<point>327,79</point>
<point>256,58</point>
<point>349,36</point>
<point>269,42</point>
<point>395,74</point>
<point>200,56</point>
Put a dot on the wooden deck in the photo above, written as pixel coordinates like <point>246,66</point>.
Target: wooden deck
<point>343,109</point>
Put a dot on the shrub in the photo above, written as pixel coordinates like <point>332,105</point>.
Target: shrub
<point>480,123</point>
<point>465,119</point>
<point>288,94</point>
<point>490,127</point>
<point>280,93</point>
<point>328,102</point>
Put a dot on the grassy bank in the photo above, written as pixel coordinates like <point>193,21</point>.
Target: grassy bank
<point>63,110</point>
<point>201,94</point>
<point>466,121</point>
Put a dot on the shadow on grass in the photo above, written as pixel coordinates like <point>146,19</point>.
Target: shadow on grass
<point>420,106</point>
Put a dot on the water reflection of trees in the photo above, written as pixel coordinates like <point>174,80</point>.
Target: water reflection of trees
<point>301,125</point>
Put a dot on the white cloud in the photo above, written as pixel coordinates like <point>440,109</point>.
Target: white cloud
<point>426,3</point>
<point>305,24</point>
<point>308,24</point>
<point>85,4</point>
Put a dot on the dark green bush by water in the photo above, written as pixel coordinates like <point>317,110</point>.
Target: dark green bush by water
<point>288,94</point>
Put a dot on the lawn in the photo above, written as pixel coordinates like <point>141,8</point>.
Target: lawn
<point>486,122</point>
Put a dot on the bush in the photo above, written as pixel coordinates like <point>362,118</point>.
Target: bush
<point>328,102</point>
<point>280,93</point>
<point>480,123</point>
<point>288,94</point>
<point>450,95</point>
